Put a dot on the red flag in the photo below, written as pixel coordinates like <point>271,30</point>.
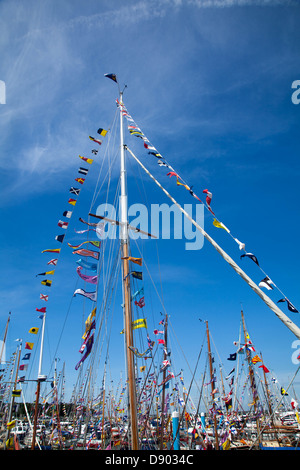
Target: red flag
<point>42,310</point>
<point>265,369</point>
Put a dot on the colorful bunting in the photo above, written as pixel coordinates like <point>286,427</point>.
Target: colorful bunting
<point>88,160</point>
<point>95,140</point>
<point>289,304</point>
<point>266,282</point>
<point>90,253</point>
<point>112,76</point>
<point>87,265</point>
<point>251,256</point>
<point>55,250</point>
<point>90,295</point>
<point>90,279</point>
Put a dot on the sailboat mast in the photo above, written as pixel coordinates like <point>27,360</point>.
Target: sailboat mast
<point>126,289</point>
<point>4,339</point>
<point>212,386</point>
<point>40,378</point>
<point>251,375</point>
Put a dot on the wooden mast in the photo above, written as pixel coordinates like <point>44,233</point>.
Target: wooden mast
<point>163,390</point>
<point>251,375</point>
<point>212,386</point>
<point>126,289</point>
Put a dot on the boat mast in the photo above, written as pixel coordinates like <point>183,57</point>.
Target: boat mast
<point>126,288</point>
<point>212,385</point>
<point>163,390</point>
<point>40,379</point>
<point>4,338</point>
<point>251,375</point>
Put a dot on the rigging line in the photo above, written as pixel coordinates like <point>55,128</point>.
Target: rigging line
<point>207,208</point>
<point>275,409</point>
<point>104,157</point>
<point>284,318</point>
<point>170,323</point>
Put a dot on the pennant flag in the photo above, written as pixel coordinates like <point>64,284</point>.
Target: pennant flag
<point>208,199</point>
<point>11,424</point>
<point>90,295</point>
<point>231,372</point>
<point>87,265</point>
<point>60,238</point>
<point>265,369</point>
<point>90,279</point>
<point>137,275</point>
<point>140,291</point>
<point>218,224</point>
<point>46,282</point>
<point>80,180</point>
<point>83,171</point>
<point>44,297</point>
<point>45,274</point>
<point>67,214</point>
<point>88,160</point>
<point>266,282</point>
<point>232,357</point>
<point>161,163</point>
<point>88,349</point>
<point>26,357</point>
<point>75,191</point>
<point>112,76</point>
<point>141,302</point>
<point>251,256</point>
<point>241,245</point>
<point>156,154</point>
<point>283,392</point>
<point>289,304</point>
<point>89,322</point>
<point>95,140</point>
<point>53,261</point>
<point>194,195</point>
<point>33,330</point>
<point>182,184</point>
<point>256,359</point>
<point>42,310</point>
<point>72,201</point>
<point>91,253</point>
<point>29,346</point>
<point>102,132</point>
<point>138,261</point>
<point>55,250</point>
<point>63,224</point>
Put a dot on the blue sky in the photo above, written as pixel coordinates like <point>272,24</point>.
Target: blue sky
<point>209,83</point>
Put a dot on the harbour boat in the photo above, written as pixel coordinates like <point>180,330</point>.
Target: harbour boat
<point>152,409</point>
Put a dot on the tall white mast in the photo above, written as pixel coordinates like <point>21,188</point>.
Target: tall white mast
<point>126,289</point>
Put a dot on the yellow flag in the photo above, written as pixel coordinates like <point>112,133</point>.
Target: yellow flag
<point>88,322</point>
<point>218,224</point>
<point>140,323</point>
<point>11,424</point>
<point>138,261</point>
<point>142,368</point>
<point>33,330</point>
<point>256,359</point>
<point>181,184</point>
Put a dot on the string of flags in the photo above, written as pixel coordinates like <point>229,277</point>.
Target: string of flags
<point>44,296</point>
<point>135,130</point>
